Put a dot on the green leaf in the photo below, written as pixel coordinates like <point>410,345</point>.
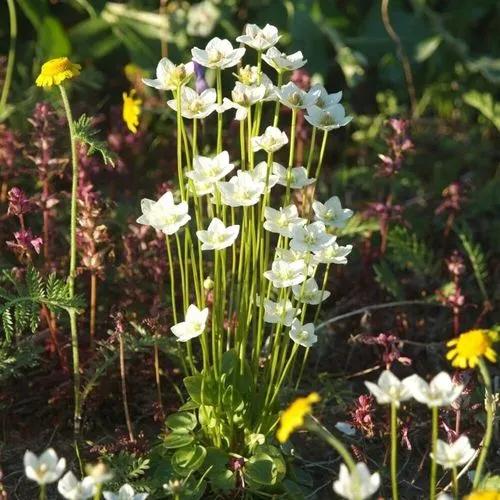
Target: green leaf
<point>202,389</point>
<point>181,421</point>
<point>427,47</point>
<point>188,459</point>
<point>177,440</point>
<point>85,132</point>
<point>267,467</point>
<point>485,104</point>
<point>34,10</point>
<point>53,40</point>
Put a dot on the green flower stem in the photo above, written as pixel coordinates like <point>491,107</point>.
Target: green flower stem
<point>311,151</point>
<point>219,115</point>
<point>43,492</point>
<point>195,137</point>
<point>434,437</point>
<point>179,142</point>
<point>454,481</point>
<point>242,145</point>
<point>172,277</point>
<point>284,373</point>
<point>72,260</point>
<point>12,54</point>
<point>394,451</point>
<point>490,417</point>
<point>277,105</point>
<point>291,155</point>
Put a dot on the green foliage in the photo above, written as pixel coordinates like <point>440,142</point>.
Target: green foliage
<point>86,133</point>
<point>14,360</point>
<point>387,280</point>
<point>21,301</point>
<point>485,104</point>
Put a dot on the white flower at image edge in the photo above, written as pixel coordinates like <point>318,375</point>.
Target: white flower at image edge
<point>453,454</point>
<point>356,486</point>
<point>331,212</point>
<point>169,76</point>
<point>389,389</point>
<point>303,334</point>
<point>259,38</point>
<point>218,54</point>
<point>218,236</point>
<point>126,492</point>
<point>72,489</point>
<point>193,325</point>
<point>45,469</point>
<point>164,215</point>
<point>440,391</point>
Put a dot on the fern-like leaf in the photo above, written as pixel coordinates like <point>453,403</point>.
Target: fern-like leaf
<point>87,134</point>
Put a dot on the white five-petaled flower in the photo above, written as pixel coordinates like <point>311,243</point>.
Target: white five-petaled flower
<point>294,97</point>
<point>243,96</point>
<point>356,486</point>
<point>295,178</point>
<point>325,100</point>
<point>270,141</point>
<point>311,238</point>
<point>302,334</point>
<point>281,312</point>
<point>169,76</point>
<point>218,54</point>
<point>242,190</point>
<point>260,173</point>
<point>72,489</point>
<point>309,292</point>
<point>333,254</point>
<point>45,469</point>
<point>210,170</point>
<point>259,38</point>
<point>282,221</point>
<point>329,118</point>
<point>331,212</point>
<point>193,325</point>
<point>389,389</point>
<point>454,454</point>
<point>282,62</point>
<point>284,274</point>
<point>126,492</point>
<point>440,391</point>
<point>194,105</point>
<point>218,236</point>
<point>164,215</point>
<point>293,256</point>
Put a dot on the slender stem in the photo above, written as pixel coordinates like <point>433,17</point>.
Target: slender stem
<point>277,105</point>
<point>93,307</point>
<point>12,54</point>
<point>157,374</point>
<point>490,417</point>
<point>454,480</point>
<point>394,451</point>
<point>43,492</point>
<point>72,259</point>
<point>172,277</point>
<point>219,115</point>
<point>179,142</point>
<point>124,388</point>
<point>434,438</point>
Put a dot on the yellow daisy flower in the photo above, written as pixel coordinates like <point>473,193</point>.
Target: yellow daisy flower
<point>483,495</point>
<point>470,346</point>
<point>55,71</point>
<point>131,110</point>
<point>293,417</point>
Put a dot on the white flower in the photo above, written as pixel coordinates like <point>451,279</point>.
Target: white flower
<point>356,486</point>
<point>72,489</point>
<point>325,100</point>
<point>282,62</point>
<point>169,76</point>
<point>281,312</point>
<point>164,215</point>
<point>242,190</point>
<point>193,326</point>
<point>248,75</point>
<point>329,118</point>
<point>200,188</point>
<point>218,236</point>
<point>453,454</point>
<point>334,254</point>
<point>194,105</point>
<point>218,54</point>
<point>202,18</point>
<point>259,38</point>
<point>293,256</point>
<point>309,292</point>
<point>295,177</point>
<point>210,170</point>
<point>389,389</point>
<point>126,492</point>
<point>441,391</point>
<point>45,469</point>
<point>293,97</point>
<point>243,96</point>
<point>303,334</point>
<point>260,174</point>
<point>311,238</point>
<point>444,496</point>
<point>284,274</point>
<point>270,141</point>
<point>282,221</point>
<point>331,212</point>
<point>99,473</point>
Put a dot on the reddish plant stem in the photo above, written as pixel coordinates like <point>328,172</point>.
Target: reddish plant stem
<point>124,388</point>
<point>93,307</point>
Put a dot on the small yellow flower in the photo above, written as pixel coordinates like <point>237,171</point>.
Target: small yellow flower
<point>470,346</point>
<point>55,71</point>
<point>131,110</point>
<point>293,417</point>
<point>483,495</point>
<point>133,72</point>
